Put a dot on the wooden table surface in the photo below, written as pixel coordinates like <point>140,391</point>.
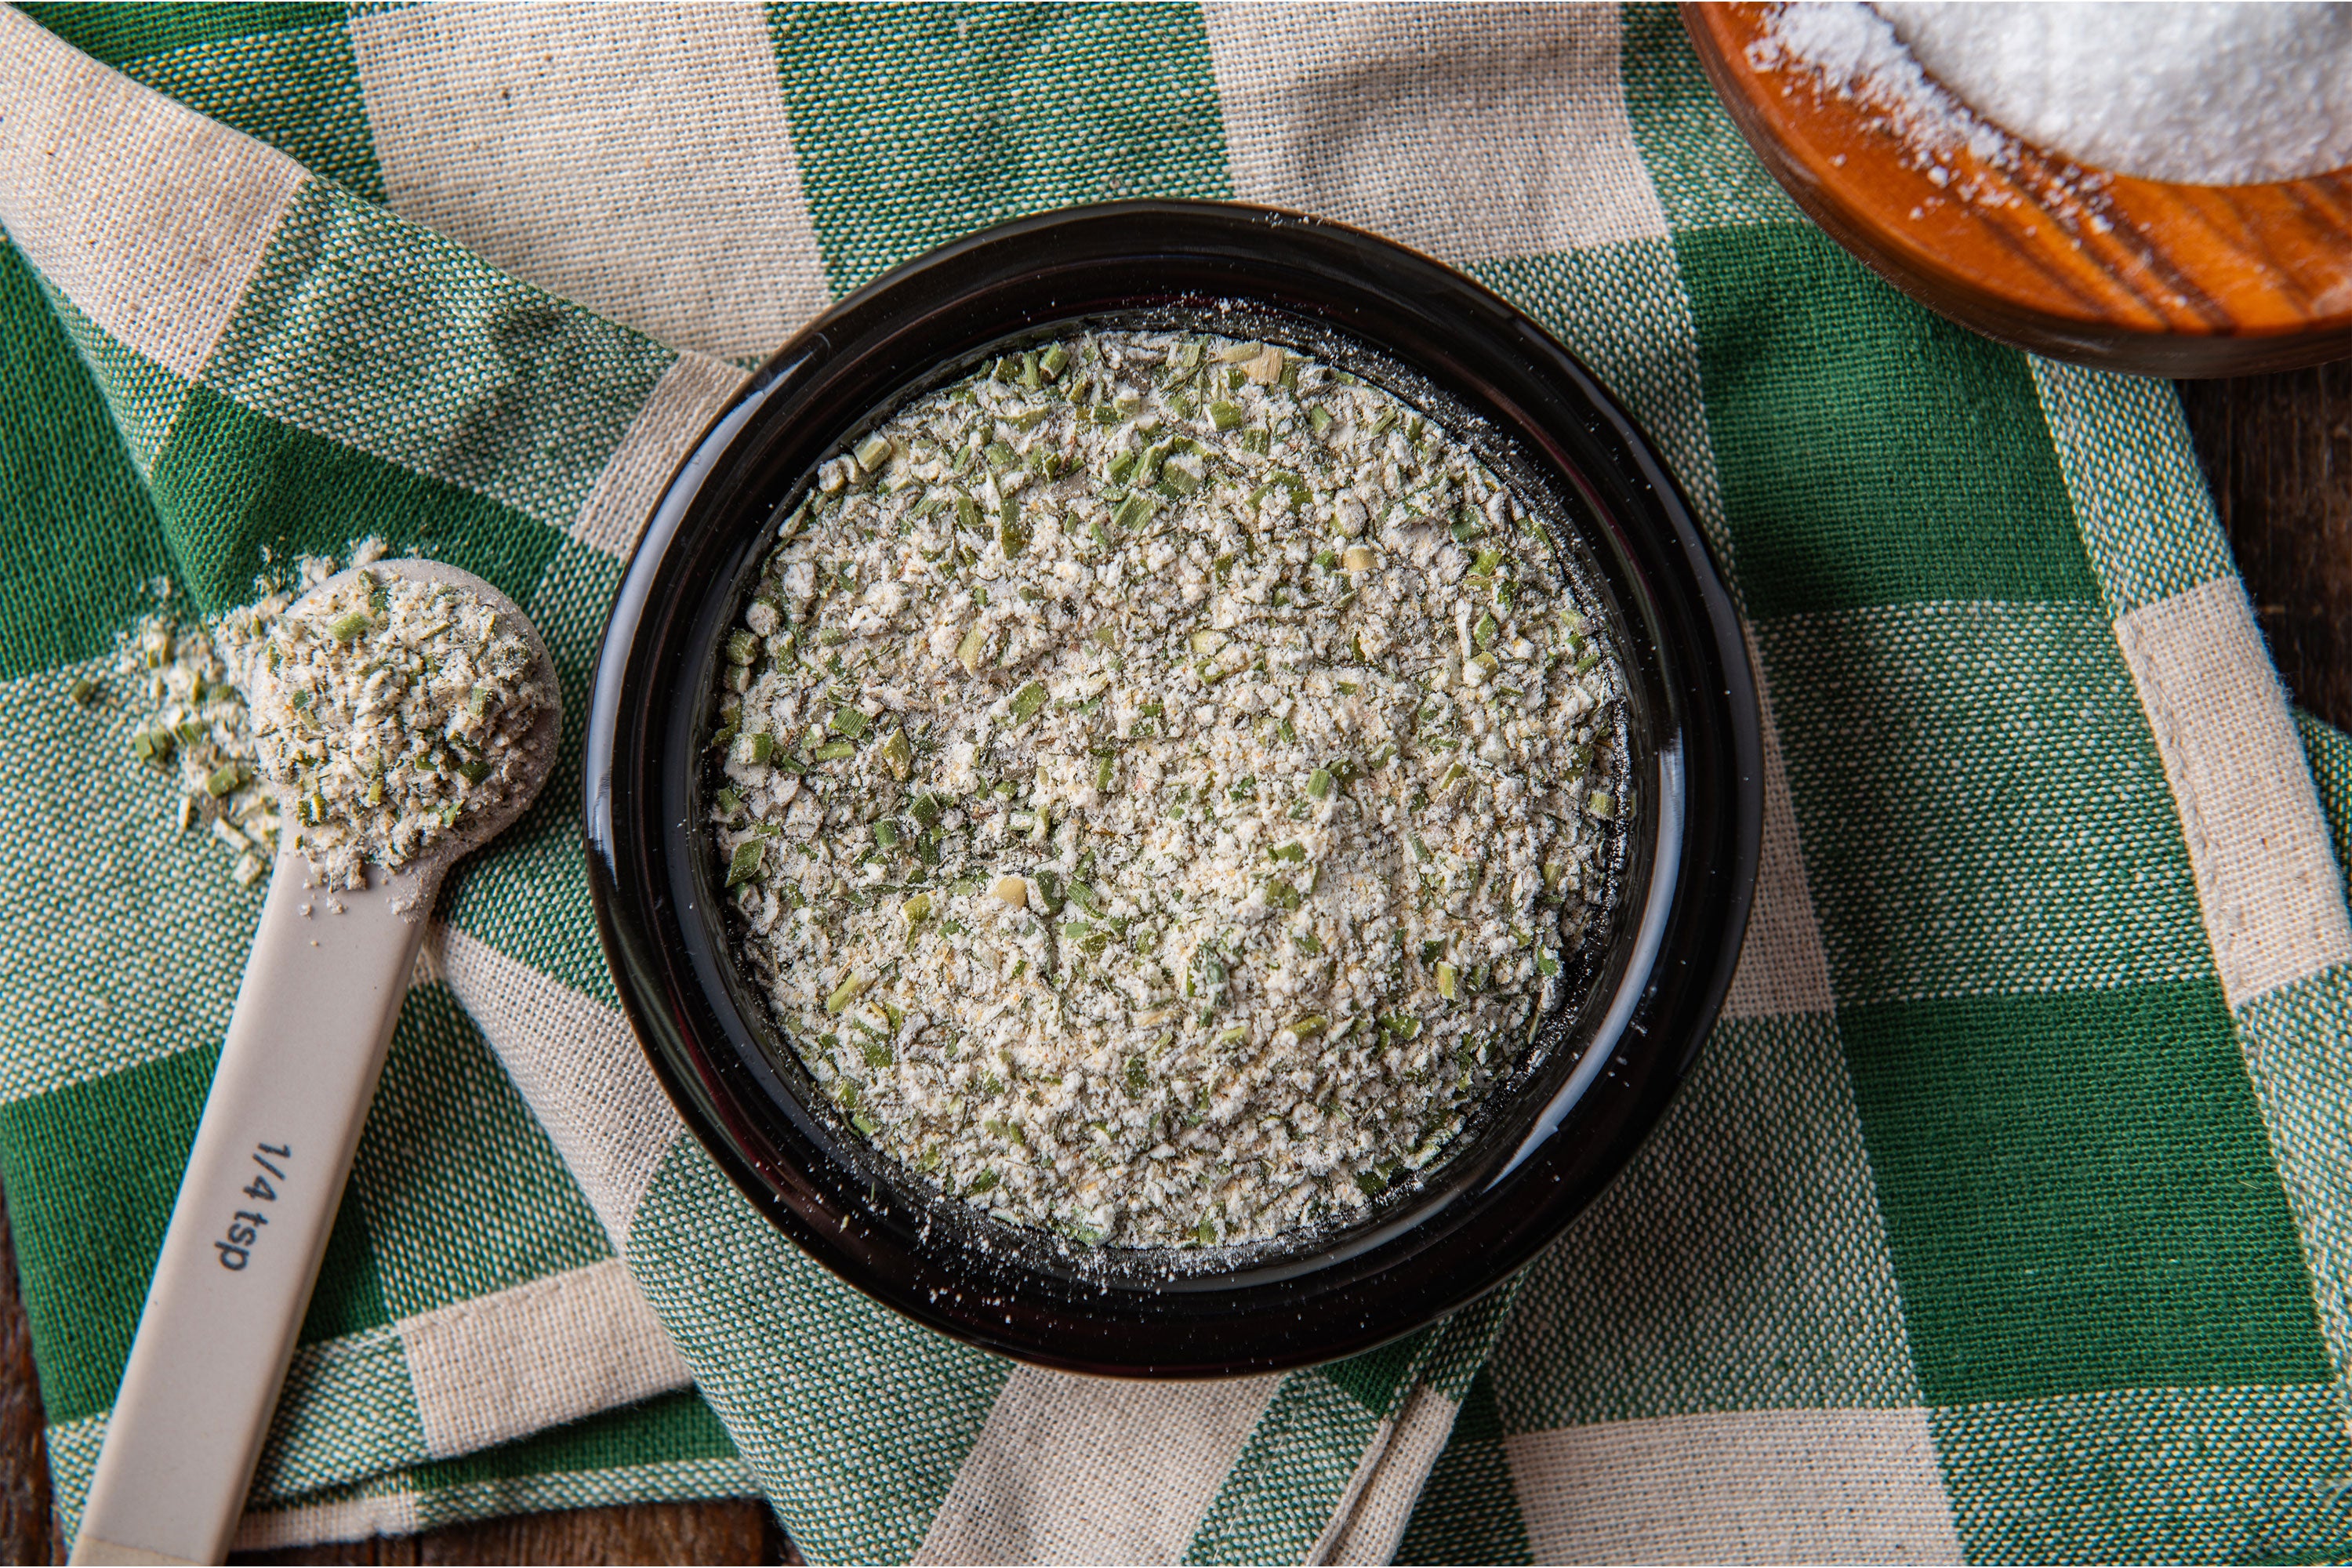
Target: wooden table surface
<point>2278,450</point>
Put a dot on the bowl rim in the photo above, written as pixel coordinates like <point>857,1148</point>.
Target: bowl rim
<point>1031,277</point>
<point>2082,264</point>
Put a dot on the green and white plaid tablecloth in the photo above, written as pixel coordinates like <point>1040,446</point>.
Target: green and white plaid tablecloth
<point>2008,1216</point>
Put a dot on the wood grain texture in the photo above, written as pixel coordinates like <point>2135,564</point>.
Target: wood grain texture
<point>642,1532</point>
<point>2081,264</point>
<point>26,1532</point>
<point>2278,451</point>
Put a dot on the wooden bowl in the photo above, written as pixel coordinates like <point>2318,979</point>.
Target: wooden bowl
<point>2077,263</point>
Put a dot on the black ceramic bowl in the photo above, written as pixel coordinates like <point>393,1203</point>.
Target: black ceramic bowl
<point>1603,1066</point>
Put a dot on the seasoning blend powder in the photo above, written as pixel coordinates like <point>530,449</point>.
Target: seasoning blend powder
<point>1163,777</point>
<point>393,707</point>
<point>198,726</point>
<point>193,680</point>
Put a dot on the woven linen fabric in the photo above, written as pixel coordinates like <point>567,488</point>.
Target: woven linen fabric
<point>2005,1215</point>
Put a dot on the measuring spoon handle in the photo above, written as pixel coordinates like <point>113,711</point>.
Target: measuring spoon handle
<point>314,1012</point>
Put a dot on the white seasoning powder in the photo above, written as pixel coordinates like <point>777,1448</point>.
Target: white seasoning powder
<point>1164,777</point>
<point>193,680</point>
<point>198,727</point>
<point>391,708</point>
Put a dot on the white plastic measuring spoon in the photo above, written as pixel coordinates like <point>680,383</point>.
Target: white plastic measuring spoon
<point>305,1046</point>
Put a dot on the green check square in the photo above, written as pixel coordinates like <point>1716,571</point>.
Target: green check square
<point>1872,453</point>
<point>1704,175</point>
<point>427,1173</point>
<point>2079,1195</point>
<point>2158,1475</point>
<point>66,488</point>
<point>120,35</point>
<point>915,125</point>
<point>349,1296</point>
<point>1373,1378</point>
<point>1980,802</point>
<point>1737,1263</point>
<point>1469,1512</point>
<point>92,1171</point>
<point>232,483</point>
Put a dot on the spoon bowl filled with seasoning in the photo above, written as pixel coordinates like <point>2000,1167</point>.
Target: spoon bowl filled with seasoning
<point>1173,790</point>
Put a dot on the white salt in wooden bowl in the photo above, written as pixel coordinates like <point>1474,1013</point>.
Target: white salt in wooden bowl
<point>2030,247</point>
